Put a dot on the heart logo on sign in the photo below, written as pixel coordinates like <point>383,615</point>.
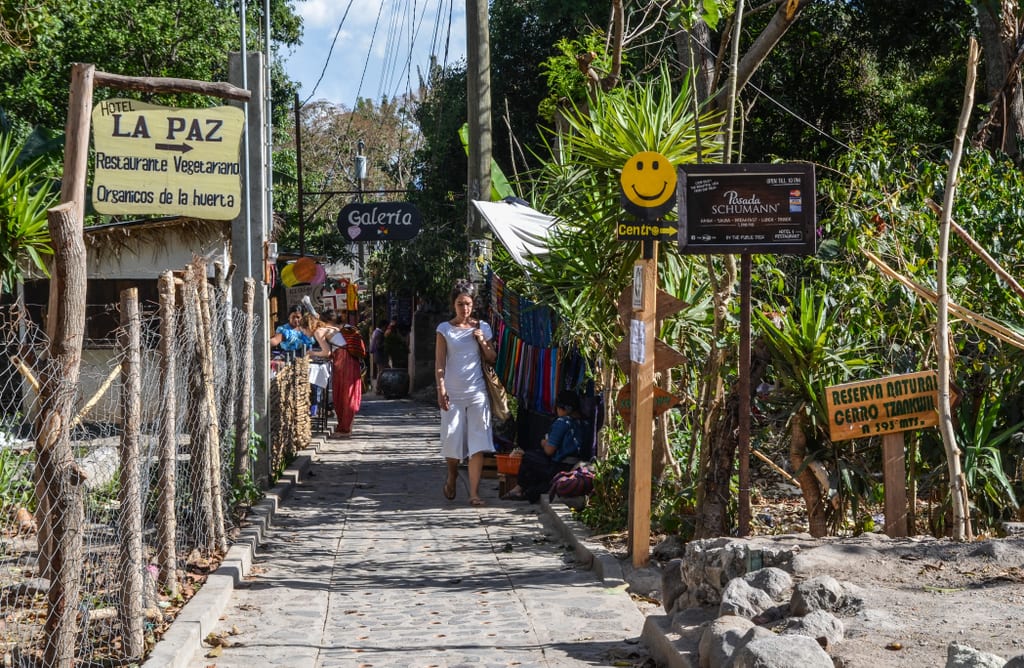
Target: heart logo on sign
<point>353,232</point>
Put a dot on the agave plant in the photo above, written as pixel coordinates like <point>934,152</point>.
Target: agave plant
<point>987,481</point>
<point>808,354</point>
<point>25,195</point>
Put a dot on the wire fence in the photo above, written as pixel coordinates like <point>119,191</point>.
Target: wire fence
<point>110,521</point>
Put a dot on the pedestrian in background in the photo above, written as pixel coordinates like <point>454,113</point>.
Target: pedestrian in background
<point>463,343</point>
<point>380,358</point>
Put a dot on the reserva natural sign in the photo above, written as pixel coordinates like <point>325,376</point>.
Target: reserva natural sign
<point>165,160</point>
<point>883,406</point>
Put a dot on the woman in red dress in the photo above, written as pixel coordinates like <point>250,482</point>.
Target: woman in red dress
<point>345,346</point>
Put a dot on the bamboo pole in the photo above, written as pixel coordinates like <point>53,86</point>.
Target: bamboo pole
<point>84,410</point>
<point>957,487</point>
<point>982,253</point>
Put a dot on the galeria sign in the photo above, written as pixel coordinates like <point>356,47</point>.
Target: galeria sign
<point>883,406</point>
<point>380,221</point>
<point>165,160</point>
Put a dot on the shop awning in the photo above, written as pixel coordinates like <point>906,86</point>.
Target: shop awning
<point>521,230</point>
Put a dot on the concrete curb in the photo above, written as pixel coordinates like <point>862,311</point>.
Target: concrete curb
<point>657,635</point>
<point>200,614</point>
<point>589,552</point>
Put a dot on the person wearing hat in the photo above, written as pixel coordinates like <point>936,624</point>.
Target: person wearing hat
<point>559,451</point>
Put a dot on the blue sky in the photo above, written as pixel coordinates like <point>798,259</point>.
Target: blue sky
<point>371,64</point>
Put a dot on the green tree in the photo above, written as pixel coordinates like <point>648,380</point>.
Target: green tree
<point>188,38</point>
<point>25,195</point>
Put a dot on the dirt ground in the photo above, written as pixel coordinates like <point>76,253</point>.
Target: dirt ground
<point>920,594</point>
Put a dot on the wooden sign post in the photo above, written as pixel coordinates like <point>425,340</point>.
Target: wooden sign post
<point>886,407</point>
<point>640,334</point>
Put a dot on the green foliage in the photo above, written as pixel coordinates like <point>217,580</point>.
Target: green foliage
<point>608,507</point>
<point>25,196</point>
<point>188,39</point>
<point>566,82</point>
<point>246,492</point>
<point>808,351</point>
<point>16,487</point>
<point>686,13</point>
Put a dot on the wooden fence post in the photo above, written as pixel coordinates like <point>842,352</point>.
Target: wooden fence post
<point>129,338</point>
<point>167,521</point>
<point>243,417</point>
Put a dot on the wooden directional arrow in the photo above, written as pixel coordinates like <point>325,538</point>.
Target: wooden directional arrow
<point>665,306</point>
<point>662,401</point>
<point>665,356</point>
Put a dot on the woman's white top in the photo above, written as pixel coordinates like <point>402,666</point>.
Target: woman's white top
<point>463,373</point>
<point>337,340</point>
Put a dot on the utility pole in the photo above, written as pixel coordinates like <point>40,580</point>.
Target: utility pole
<point>360,176</point>
<point>478,94</point>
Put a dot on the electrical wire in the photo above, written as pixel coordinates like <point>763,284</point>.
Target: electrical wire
<point>327,60</point>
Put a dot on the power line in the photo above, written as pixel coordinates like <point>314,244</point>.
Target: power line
<point>327,60</point>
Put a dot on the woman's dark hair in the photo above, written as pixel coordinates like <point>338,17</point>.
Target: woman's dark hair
<point>568,400</point>
<point>297,308</point>
<point>462,287</point>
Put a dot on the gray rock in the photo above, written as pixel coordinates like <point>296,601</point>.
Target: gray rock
<point>782,652</point>
<point>672,547</point>
<point>643,581</point>
<point>722,637</point>
<point>1015,662</point>
<point>959,655</point>
<point>673,586</point>
<point>994,550</point>
<point>816,624</point>
<point>823,592</point>
<point>739,598</point>
<point>774,581</point>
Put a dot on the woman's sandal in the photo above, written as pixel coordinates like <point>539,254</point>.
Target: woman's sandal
<point>514,496</point>
<point>476,501</point>
<point>449,489</point>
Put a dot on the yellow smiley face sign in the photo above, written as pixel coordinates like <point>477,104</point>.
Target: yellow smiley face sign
<point>648,183</point>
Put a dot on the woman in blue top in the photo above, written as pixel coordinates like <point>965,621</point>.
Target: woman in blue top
<point>290,337</point>
<point>559,451</point>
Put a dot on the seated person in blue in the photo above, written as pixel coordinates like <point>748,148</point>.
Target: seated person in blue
<point>289,337</point>
<point>559,451</point>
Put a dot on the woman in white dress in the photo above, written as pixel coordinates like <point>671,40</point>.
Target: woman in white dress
<point>462,345</point>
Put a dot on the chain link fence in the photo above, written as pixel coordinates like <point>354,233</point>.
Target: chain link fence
<point>109,523</point>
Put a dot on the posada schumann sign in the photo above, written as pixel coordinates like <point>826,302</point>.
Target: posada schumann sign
<point>380,221</point>
<point>164,160</point>
<point>883,406</point>
<point>747,208</point>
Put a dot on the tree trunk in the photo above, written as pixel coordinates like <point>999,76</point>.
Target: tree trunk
<point>712,515</point>
<point>56,469</point>
<point>814,500</point>
<point>1002,129</point>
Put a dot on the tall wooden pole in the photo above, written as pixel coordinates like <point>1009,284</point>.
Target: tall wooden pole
<point>641,378</point>
<point>478,100</point>
<point>743,436</point>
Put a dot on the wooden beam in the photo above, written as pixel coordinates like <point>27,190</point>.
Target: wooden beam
<point>172,85</point>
